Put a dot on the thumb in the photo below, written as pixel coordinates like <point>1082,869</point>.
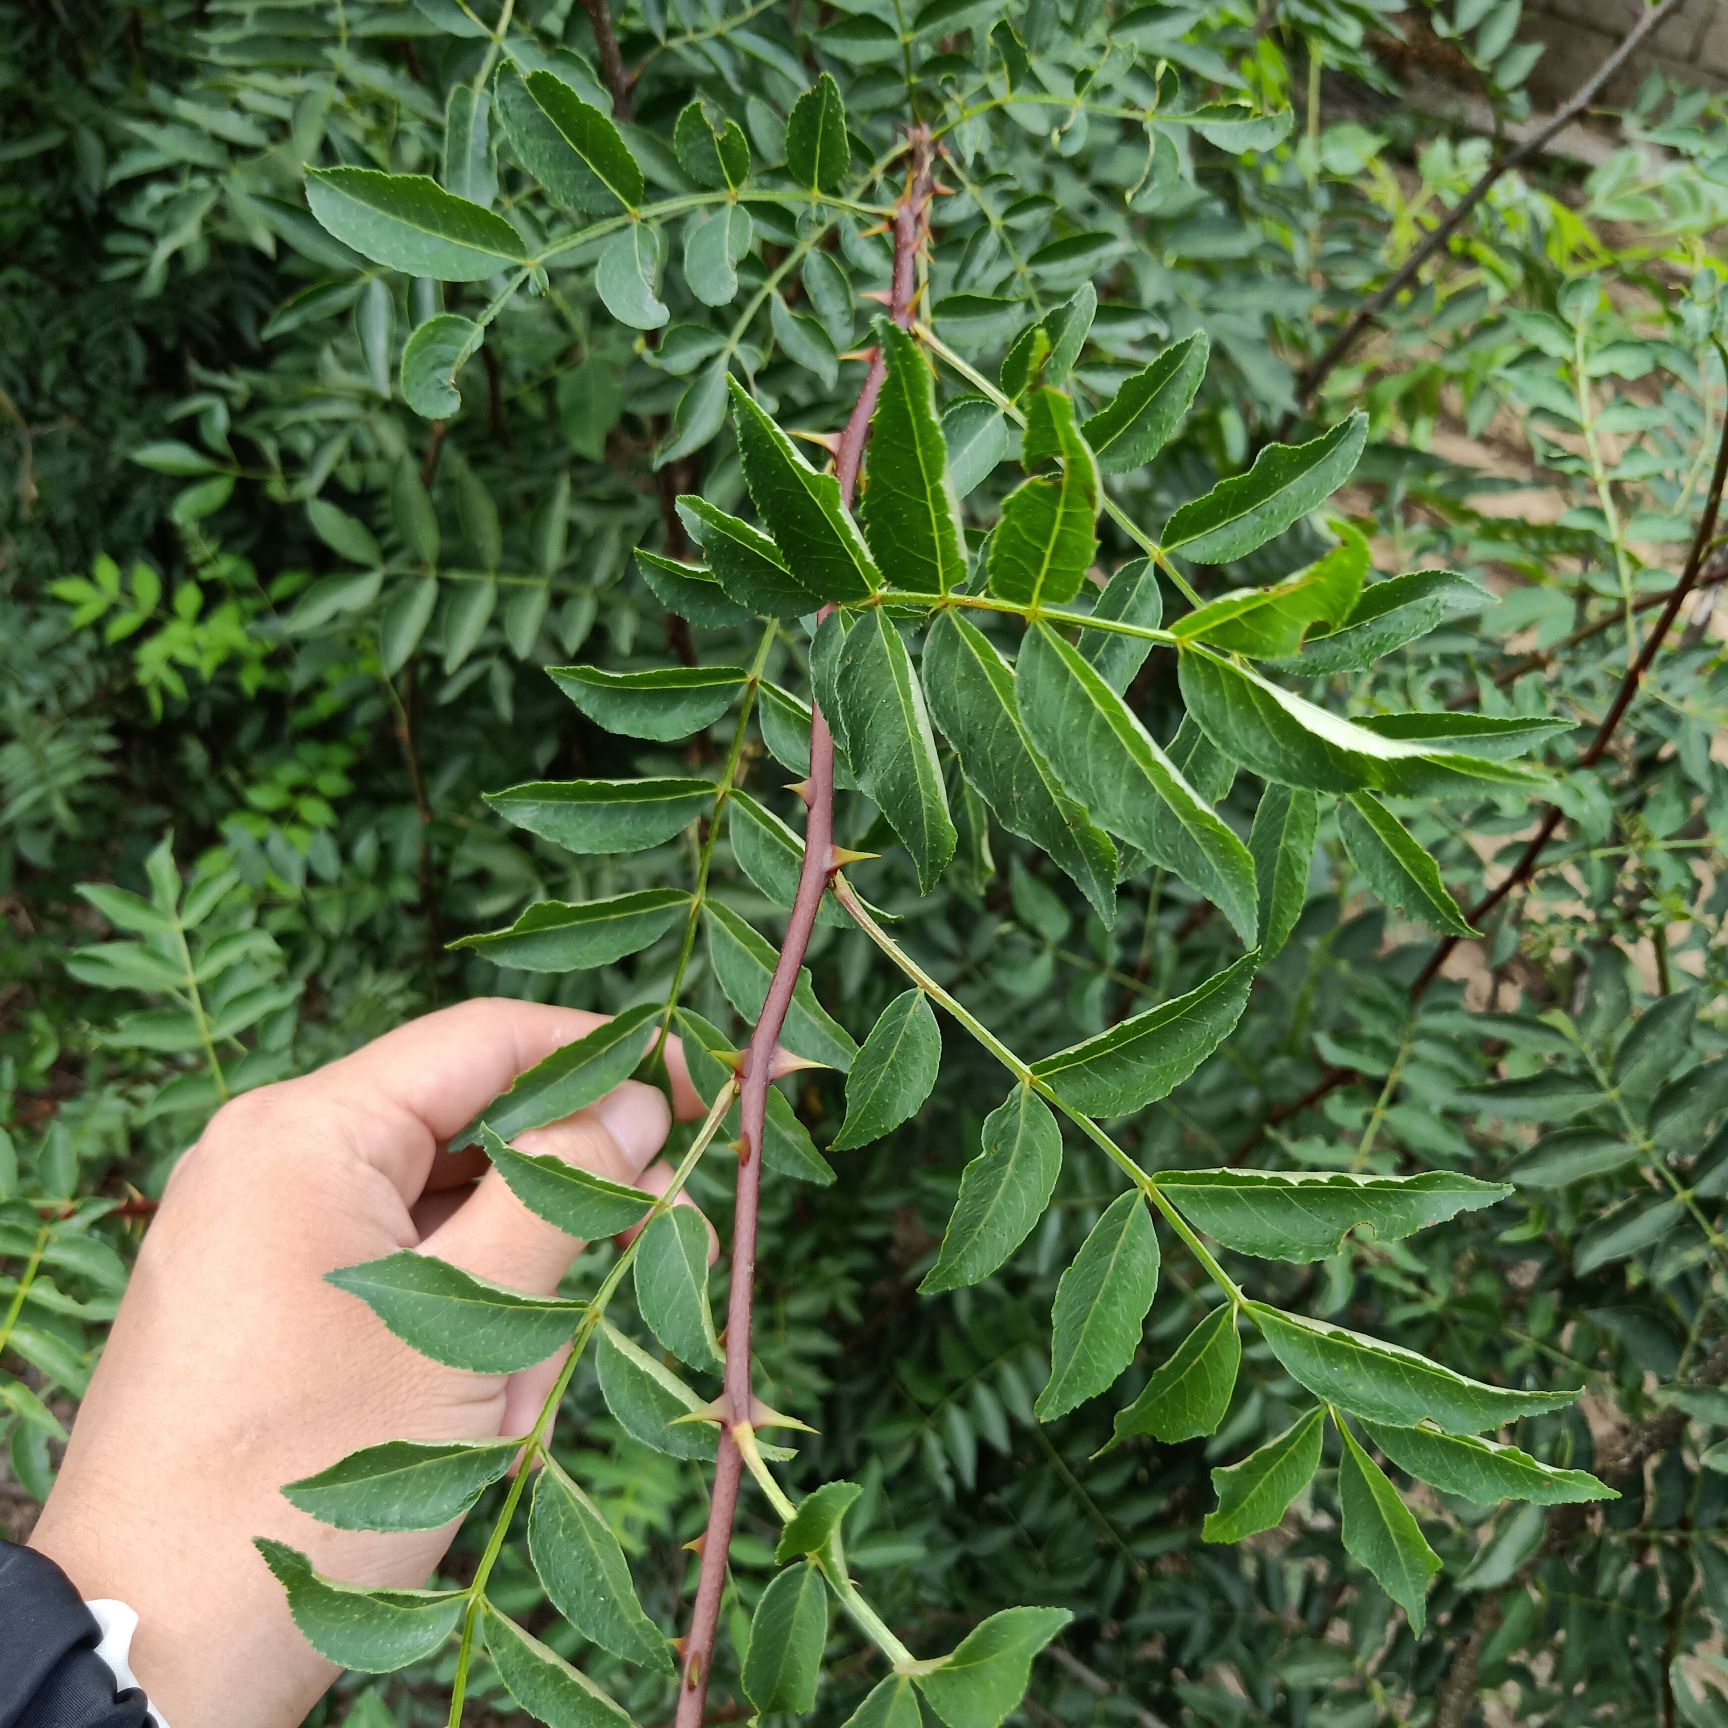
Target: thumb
<point>494,1236</point>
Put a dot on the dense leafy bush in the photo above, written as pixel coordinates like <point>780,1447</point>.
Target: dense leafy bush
<point>1251,1224</point>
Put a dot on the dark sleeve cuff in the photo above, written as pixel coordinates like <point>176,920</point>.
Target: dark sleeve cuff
<point>51,1676</point>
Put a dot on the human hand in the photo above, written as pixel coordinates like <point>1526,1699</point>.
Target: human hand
<point>233,1367</point>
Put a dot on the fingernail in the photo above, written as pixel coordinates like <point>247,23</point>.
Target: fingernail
<point>638,1118</point>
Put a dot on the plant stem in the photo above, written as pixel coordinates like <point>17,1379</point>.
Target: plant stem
<point>25,1279</point>
<point>910,224</point>
<point>1308,384</point>
<point>847,897</point>
<point>1529,859</point>
<point>611,61</point>
<point>1031,613</point>
<point>705,858</point>
<point>535,1442</point>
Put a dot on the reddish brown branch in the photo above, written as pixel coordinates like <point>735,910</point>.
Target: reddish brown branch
<point>1713,577</point>
<point>1316,374</point>
<point>1521,872</point>
<point>756,1069</point>
<point>611,61</point>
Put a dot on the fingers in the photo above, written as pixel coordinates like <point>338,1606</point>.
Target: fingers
<point>494,1236</point>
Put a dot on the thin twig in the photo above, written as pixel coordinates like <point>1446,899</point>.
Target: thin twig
<point>611,61</point>
<point>756,1068</point>
<point>1308,384</point>
<point>1538,658</point>
<point>1619,1468</point>
<point>1521,872</point>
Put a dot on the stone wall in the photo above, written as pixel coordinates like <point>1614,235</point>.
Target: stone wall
<point>1691,47</point>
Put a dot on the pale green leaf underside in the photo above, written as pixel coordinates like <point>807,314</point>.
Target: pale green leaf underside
<point>370,1631</point>
<point>1384,1383</point>
<point>1305,1215</point>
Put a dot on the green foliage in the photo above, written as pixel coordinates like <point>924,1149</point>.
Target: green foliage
<point>364,371</point>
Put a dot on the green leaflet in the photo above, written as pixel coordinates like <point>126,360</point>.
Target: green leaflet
<point>580,1203</point>
<point>787,1634</point>
<point>666,704</point>
<point>572,149</point>
<point>1379,1530</point>
<point>432,356</point>
<point>1044,544</point>
<point>625,275</point>
<point>690,590</point>
<point>714,245</point>
<point>711,158</point>
<point>585,1572</point>
<point>1146,1058</point>
<point>1144,413</point>
<point>411,507</point>
<point>1255,1494</point>
<point>1285,483</point>
<point>1398,871</point>
<point>911,513</point>
<point>745,562</point>
<point>976,433</point>
<point>815,534</point>
<point>1101,1305</point>
<point>1188,1396</point>
<point>879,714</point>
<point>892,1704</point>
<point>1100,748</point>
<point>409,222</point>
<point>987,1674</point>
<point>893,1072</point>
<point>557,936</point>
<point>1003,1192</point>
<point>671,1274</point>
<point>973,689</point>
<point>1045,352</point>
<point>772,855</point>
<point>1571,1155</point>
<point>648,1398</point>
<point>786,1146</point>
<point>456,1318</point>
<point>1131,596</point>
<point>1481,1471</point>
<point>370,1631</point>
<point>803,340</point>
<point>1639,1224</point>
<point>815,1527</point>
<point>466,166</point>
<point>744,963</point>
<point>1383,1383</point>
<point>1493,735</point>
<point>1387,616</point>
<point>1267,623</point>
<point>785,721</point>
<point>586,816</point>
<point>543,1683</point>
<point>818,153</point>
<point>1281,844</point>
<point>1285,738</point>
<point>1305,1215</point>
<point>403,1484</point>
<point>572,1077</point>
